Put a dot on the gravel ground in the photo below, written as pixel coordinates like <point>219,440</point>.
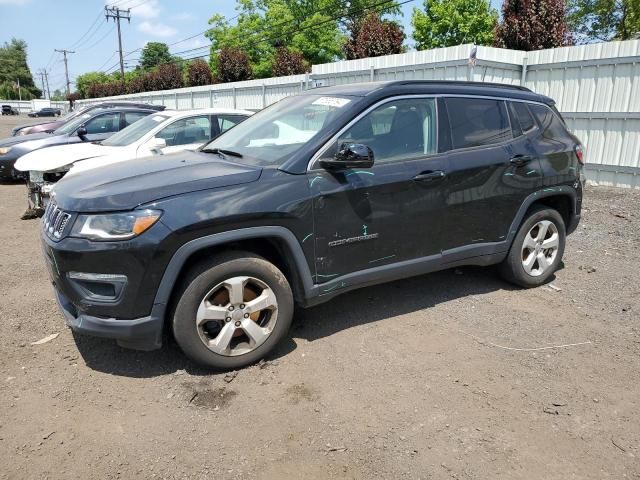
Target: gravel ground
<point>450,375</point>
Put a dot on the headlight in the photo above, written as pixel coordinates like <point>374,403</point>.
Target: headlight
<point>4,150</point>
<point>114,226</point>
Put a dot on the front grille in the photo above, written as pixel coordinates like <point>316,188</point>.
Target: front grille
<point>54,221</point>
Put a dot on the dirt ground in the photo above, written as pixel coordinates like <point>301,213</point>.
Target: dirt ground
<point>451,375</point>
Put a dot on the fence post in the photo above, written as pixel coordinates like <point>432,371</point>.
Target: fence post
<point>191,92</point>
<point>372,73</point>
<point>211,98</point>
<point>233,92</point>
<point>175,99</point>
<point>523,78</point>
<point>264,95</point>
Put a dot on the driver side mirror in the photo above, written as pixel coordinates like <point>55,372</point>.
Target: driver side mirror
<point>156,144</point>
<point>350,155</point>
<point>82,132</point>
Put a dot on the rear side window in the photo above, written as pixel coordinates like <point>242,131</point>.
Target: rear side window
<point>523,116</point>
<point>552,126</point>
<point>477,121</point>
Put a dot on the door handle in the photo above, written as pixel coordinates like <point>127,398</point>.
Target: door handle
<point>520,160</point>
<point>430,176</point>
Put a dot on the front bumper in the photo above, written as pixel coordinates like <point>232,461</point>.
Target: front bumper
<point>141,333</point>
<point>88,302</point>
<point>7,171</point>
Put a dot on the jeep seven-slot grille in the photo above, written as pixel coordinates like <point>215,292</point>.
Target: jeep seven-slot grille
<point>54,221</point>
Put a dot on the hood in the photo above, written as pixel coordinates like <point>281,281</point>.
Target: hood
<point>126,185</point>
<point>104,160</point>
<point>44,160</point>
<point>8,142</point>
<point>40,127</point>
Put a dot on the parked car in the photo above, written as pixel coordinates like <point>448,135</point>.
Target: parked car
<point>161,133</point>
<point>9,110</point>
<point>399,179</point>
<point>45,112</point>
<point>94,126</point>
<point>50,126</point>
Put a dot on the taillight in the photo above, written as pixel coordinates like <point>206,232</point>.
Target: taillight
<point>580,154</point>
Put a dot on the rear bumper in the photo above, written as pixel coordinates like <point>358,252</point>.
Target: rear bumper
<point>140,333</point>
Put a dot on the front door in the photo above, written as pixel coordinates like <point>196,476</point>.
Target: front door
<point>366,218</point>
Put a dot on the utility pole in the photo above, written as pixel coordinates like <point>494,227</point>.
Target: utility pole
<point>44,92</point>
<point>19,90</point>
<point>66,67</point>
<point>46,81</point>
<point>117,14</point>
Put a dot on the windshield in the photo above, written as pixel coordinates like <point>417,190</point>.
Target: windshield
<point>71,126</point>
<point>135,131</point>
<point>272,135</point>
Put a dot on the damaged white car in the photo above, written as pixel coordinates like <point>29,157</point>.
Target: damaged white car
<point>162,133</point>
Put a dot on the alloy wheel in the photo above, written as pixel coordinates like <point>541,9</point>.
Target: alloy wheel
<point>540,248</point>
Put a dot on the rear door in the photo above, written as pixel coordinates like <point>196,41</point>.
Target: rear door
<point>102,126</point>
<point>366,218</point>
<point>226,121</point>
<point>492,168</point>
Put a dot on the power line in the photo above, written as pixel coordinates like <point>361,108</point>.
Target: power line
<point>77,42</point>
<point>66,67</point>
<point>98,41</point>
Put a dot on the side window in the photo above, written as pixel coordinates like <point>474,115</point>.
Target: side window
<point>552,126</point>
<point>225,122</point>
<point>396,130</point>
<point>109,122</point>
<point>132,117</point>
<point>477,121</point>
<point>187,131</point>
<point>522,115</point>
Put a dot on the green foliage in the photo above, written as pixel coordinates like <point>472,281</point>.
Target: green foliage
<point>445,23</point>
<point>605,19</point>
<point>13,67</point>
<point>155,54</point>
<point>84,81</point>
<point>533,25</point>
<point>58,95</point>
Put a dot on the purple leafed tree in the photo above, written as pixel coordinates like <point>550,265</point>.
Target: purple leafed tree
<point>533,25</point>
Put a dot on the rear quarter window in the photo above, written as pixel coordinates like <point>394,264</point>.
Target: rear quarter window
<point>476,122</point>
<point>551,125</point>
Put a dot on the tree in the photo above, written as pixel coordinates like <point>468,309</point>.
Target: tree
<point>84,82</point>
<point>605,20</point>
<point>58,95</point>
<point>14,69</point>
<point>232,65</point>
<point>533,25</point>
<point>445,23</point>
<point>372,37</point>
<point>155,54</point>
<point>198,73</point>
<point>167,77</point>
<point>288,62</point>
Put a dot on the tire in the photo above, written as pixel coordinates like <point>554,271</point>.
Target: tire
<point>532,265</point>
<point>208,287</point>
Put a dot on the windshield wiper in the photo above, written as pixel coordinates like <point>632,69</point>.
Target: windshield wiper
<point>222,151</point>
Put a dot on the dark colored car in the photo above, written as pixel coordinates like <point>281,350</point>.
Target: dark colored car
<point>50,126</point>
<point>321,193</point>
<point>45,112</point>
<point>9,110</point>
<point>99,124</point>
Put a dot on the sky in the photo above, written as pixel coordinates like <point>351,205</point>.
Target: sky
<point>81,26</point>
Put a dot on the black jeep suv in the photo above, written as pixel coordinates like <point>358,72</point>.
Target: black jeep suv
<point>321,193</point>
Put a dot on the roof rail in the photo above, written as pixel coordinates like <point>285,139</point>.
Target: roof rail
<point>461,82</point>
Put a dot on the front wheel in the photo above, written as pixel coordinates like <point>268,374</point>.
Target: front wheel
<point>537,249</point>
<point>233,310</point>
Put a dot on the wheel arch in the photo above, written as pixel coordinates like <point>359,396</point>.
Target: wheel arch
<point>561,198</point>
<point>276,244</point>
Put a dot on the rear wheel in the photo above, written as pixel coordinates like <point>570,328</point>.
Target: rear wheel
<point>232,311</point>
<point>537,249</point>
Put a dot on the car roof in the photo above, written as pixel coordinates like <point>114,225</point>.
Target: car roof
<point>436,87</point>
<point>206,111</point>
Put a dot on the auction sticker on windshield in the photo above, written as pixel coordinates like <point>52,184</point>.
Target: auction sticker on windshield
<point>331,101</point>
<point>159,118</point>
